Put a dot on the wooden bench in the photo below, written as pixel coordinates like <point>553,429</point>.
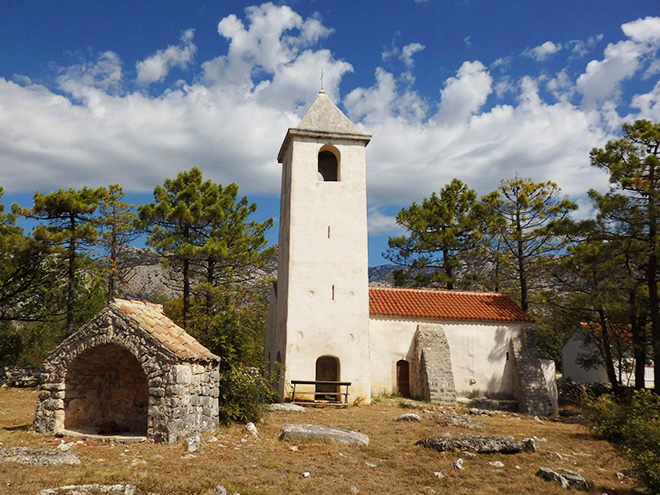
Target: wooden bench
<point>337,394</point>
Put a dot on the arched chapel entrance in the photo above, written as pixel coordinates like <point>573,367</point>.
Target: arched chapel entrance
<point>327,369</point>
<point>106,391</point>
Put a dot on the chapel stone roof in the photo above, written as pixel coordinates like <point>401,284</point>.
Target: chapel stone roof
<point>444,304</point>
<point>151,319</point>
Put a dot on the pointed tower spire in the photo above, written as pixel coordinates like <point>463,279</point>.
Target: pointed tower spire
<point>324,119</point>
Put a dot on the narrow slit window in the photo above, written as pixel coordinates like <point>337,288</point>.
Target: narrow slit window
<point>328,231</point>
<point>333,292</point>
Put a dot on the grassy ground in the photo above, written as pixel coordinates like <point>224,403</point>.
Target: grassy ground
<point>391,464</point>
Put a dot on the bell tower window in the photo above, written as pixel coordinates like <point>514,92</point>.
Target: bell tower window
<point>328,164</point>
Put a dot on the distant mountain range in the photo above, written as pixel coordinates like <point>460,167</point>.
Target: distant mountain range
<point>149,280</point>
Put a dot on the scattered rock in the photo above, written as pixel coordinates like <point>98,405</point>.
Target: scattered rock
<point>411,417</point>
<point>286,407</point>
<point>192,443</point>
<point>252,430</point>
<point>306,474</point>
<point>566,478</point>
<point>438,475</point>
<point>458,464</point>
<point>481,445</point>
<point>496,464</point>
<point>460,420</point>
<point>219,490</point>
<point>89,489</point>
<point>354,489</point>
<point>63,447</point>
<point>188,456</point>
<point>370,464</point>
<point>213,439</point>
<point>293,448</point>
<point>314,433</point>
<point>468,453</point>
<point>537,419</point>
<point>38,457</point>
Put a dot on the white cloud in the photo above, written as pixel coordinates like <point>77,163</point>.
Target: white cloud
<point>464,94</point>
<point>561,86</point>
<point>579,48</point>
<point>380,223</point>
<point>232,118</point>
<point>601,78</point>
<point>156,67</point>
<point>648,104</point>
<point>468,41</point>
<point>408,51</point>
<point>645,30</point>
<point>542,51</point>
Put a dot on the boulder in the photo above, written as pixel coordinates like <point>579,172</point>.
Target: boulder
<point>409,417</point>
<point>566,478</point>
<point>313,433</point>
<point>38,457</point>
<point>480,445</point>
<point>286,407</point>
<point>460,420</point>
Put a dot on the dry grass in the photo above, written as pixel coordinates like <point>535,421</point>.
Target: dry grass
<point>268,466</point>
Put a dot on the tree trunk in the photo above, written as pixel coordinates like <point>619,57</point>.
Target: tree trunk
<point>652,274</point>
<point>210,275</point>
<point>186,291</point>
<point>71,282</point>
<point>607,350</point>
<point>446,261</point>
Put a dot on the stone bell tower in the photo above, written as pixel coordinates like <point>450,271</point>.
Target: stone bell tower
<point>318,321</point>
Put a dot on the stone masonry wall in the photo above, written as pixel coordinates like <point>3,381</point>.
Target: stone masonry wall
<point>17,376</point>
<point>431,373</point>
<point>530,386</point>
<point>191,400</point>
<point>182,395</point>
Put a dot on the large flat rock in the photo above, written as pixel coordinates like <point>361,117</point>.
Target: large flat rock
<point>479,444</point>
<point>304,433</point>
<point>38,457</point>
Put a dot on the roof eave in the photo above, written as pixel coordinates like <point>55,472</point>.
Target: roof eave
<point>324,135</point>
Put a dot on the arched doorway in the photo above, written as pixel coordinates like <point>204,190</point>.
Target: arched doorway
<point>106,392</point>
<point>403,378</point>
<point>327,369</point>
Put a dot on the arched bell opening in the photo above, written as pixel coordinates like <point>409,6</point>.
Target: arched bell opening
<point>403,378</point>
<point>327,370</point>
<point>328,164</point>
<point>106,392</point>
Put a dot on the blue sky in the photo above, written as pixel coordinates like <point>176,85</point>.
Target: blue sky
<point>132,92</point>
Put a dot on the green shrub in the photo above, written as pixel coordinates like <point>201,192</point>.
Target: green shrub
<point>633,424</point>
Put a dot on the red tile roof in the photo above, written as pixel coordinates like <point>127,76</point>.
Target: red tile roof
<point>152,320</point>
<point>445,304</point>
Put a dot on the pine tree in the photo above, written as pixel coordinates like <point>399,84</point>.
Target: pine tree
<point>633,163</point>
<point>523,224</point>
<point>441,232</point>
<point>69,227</point>
<point>119,230</point>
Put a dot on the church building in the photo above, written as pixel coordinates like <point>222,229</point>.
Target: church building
<point>326,324</point>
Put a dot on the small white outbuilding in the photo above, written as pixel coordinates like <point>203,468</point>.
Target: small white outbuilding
<point>326,324</point>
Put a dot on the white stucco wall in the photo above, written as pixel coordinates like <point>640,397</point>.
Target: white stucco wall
<point>570,367</point>
<point>310,322</point>
<point>478,354</point>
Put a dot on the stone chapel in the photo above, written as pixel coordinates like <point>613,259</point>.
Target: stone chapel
<point>326,324</point>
